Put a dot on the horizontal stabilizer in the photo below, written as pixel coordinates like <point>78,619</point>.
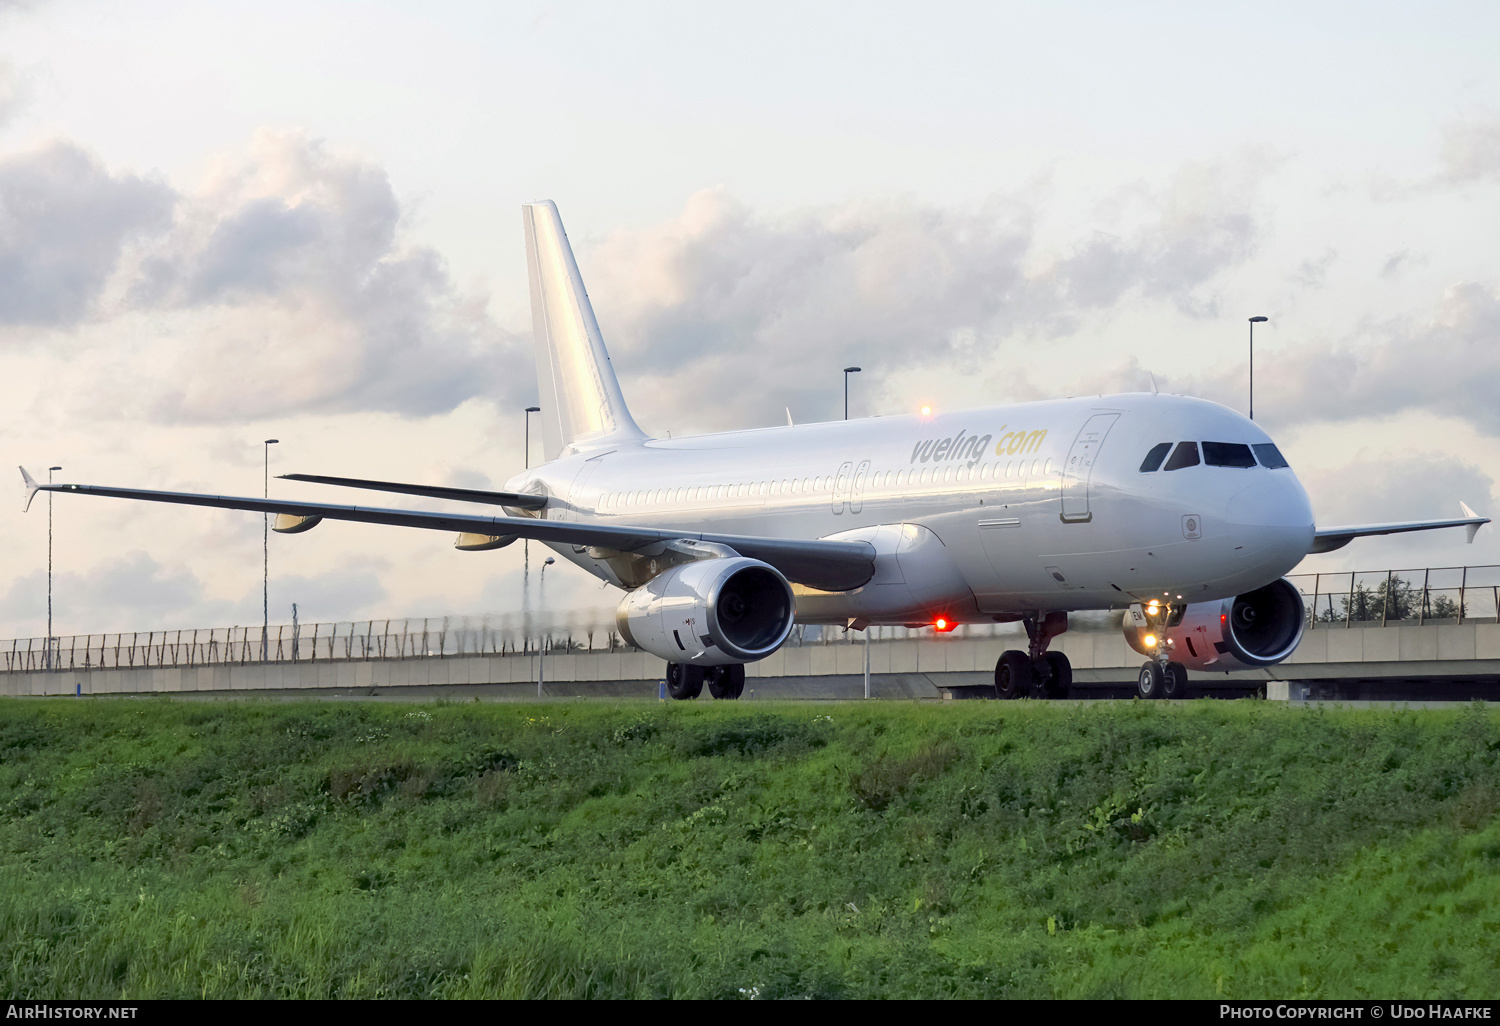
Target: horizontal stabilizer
<point>515,500</point>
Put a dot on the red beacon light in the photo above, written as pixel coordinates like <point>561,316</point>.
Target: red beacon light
<point>943,625</point>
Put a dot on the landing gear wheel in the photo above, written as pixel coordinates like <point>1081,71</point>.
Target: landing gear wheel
<point>1151,682</point>
<point>1013,675</point>
<point>684,681</point>
<point>1059,676</point>
<point>1174,681</point>
<point>725,682</point>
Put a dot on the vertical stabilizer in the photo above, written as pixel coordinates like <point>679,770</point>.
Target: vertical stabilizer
<point>582,407</point>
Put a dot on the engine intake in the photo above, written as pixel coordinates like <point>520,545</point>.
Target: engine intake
<point>711,612</point>
<point>1259,628</point>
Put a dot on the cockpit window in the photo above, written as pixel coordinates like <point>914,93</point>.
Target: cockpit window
<point>1186,455</point>
<point>1270,456</point>
<point>1227,454</point>
<point>1153,458</point>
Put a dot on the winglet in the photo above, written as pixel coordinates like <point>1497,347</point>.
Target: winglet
<point>31,488</point>
<point>1472,529</point>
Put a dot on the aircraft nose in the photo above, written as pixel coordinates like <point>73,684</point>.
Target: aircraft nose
<point>1274,517</point>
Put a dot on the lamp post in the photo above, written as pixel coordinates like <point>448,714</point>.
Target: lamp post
<point>529,411</point>
<point>48,663</point>
<point>541,646</point>
<point>526,543</point>
<point>265,564</point>
<point>1253,322</point>
<point>848,371</point>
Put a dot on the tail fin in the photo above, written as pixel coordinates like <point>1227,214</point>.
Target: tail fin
<point>582,407</point>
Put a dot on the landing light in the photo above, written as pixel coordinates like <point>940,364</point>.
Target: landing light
<point>1149,641</point>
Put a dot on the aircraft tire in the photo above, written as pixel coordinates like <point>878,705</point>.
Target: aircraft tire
<point>1150,683</point>
<point>1059,678</point>
<point>1174,682</point>
<point>684,681</point>
<point>1013,675</point>
<point>725,683</point>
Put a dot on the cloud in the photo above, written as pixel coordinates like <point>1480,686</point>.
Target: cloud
<point>699,304</point>
<point>1378,487</point>
<point>114,595</point>
<point>284,286</point>
<point>1399,261</point>
<point>1312,273</point>
<point>1470,150</point>
<point>129,591</point>
<point>65,220</point>
<point>1446,364</point>
<point>1382,487</point>
<point>11,93</point>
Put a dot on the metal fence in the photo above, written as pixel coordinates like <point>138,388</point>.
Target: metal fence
<point>1446,594</point>
<point>425,638</point>
<point>1459,594</point>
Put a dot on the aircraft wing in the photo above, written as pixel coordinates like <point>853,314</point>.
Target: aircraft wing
<point>1329,538</point>
<point>825,565</point>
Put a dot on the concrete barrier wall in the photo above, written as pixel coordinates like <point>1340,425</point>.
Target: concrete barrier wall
<point>1097,657</point>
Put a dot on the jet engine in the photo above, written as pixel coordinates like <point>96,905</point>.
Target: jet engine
<point>1259,628</point>
<point>710,612</point>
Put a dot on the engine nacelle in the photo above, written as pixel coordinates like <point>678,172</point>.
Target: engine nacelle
<point>1259,628</point>
<point>711,612</point>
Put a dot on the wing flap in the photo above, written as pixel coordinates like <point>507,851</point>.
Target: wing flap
<point>515,500</point>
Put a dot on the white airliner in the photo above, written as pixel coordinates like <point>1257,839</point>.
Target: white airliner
<point>1179,508</point>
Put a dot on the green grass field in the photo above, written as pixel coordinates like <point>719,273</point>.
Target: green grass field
<point>971,849</point>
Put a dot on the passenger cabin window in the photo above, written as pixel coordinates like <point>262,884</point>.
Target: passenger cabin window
<point>1270,457</point>
<point>1227,454</point>
<point>1153,459</point>
<point>1186,455</point>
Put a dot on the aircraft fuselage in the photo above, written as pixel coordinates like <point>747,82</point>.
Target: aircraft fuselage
<point>975,515</point>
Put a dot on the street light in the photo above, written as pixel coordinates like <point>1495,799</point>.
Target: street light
<point>848,371</point>
<point>529,411</point>
<point>48,664</point>
<point>1253,322</point>
<point>541,647</point>
<point>526,543</point>
<point>265,566</point>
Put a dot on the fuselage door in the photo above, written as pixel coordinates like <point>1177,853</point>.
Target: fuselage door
<point>857,493</point>
<point>841,486</point>
<point>1079,466</point>
<point>577,500</point>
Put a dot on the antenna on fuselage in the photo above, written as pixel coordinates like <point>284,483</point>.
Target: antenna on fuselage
<point>1153,383</point>
<point>789,417</point>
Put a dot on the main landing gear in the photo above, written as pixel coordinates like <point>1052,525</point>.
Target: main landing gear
<point>1160,677</point>
<point>685,681</point>
<point>1036,673</point>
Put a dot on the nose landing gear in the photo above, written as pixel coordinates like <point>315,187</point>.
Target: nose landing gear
<point>1160,676</point>
<point>1036,673</point>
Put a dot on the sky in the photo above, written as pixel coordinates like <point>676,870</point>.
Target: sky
<point>227,222</point>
